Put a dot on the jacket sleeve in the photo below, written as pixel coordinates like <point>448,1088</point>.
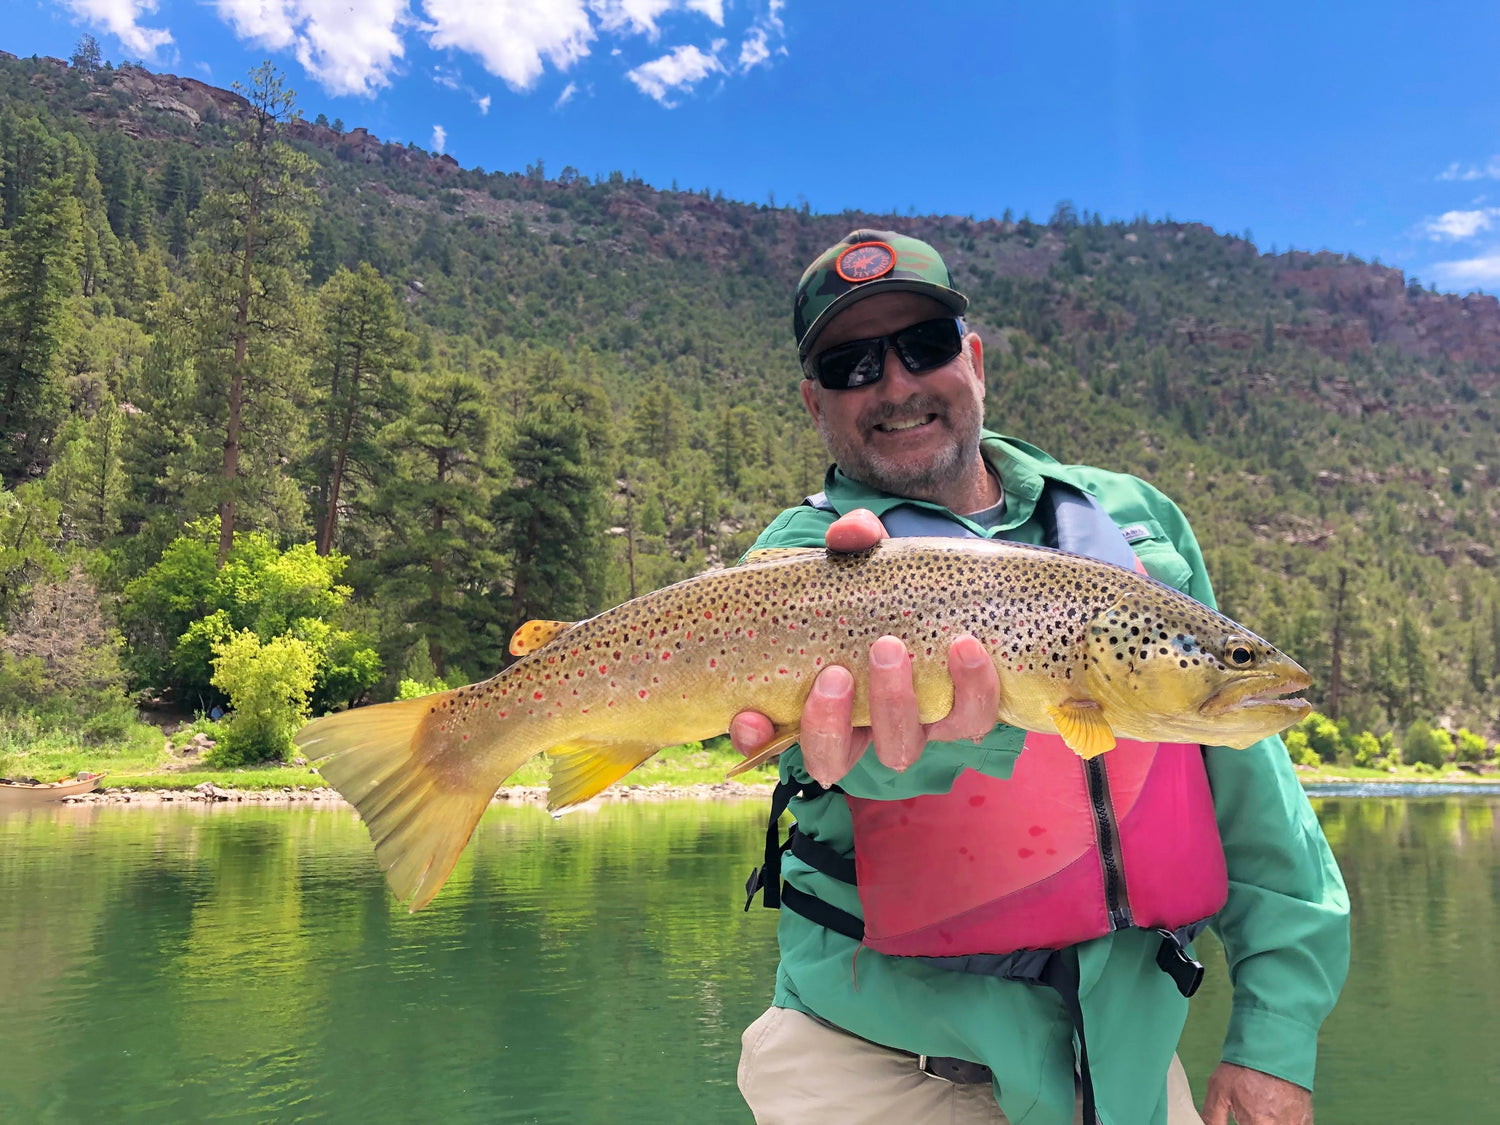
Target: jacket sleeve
<point>1285,927</point>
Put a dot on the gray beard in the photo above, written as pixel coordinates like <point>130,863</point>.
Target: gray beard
<point>933,482</point>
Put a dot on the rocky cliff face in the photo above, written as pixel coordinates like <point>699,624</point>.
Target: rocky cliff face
<point>1347,306</point>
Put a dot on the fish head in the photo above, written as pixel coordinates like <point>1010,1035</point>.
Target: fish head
<point>1166,668</point>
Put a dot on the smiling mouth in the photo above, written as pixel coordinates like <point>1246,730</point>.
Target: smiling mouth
<point>905,424</point>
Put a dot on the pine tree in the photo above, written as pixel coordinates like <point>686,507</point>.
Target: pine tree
<point>441,563</point>
<point>553,517</point>
<point>38,279</point>
<point>361,348</point>
<point>254,226</point>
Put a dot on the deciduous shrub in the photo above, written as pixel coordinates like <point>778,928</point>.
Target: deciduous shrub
<point>267,685</point>
<point>1469,747</point>
<point>1425,745</point>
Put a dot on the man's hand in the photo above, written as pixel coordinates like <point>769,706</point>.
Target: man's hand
<point>831,745</point>
<point>1254,1098</point>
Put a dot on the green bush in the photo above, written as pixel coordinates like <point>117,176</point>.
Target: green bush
<point>415,689</point>
<point>267,685</point>
<point>1470,747</point>
<point>1323,736</point>
<point>1299,751</point>
<point>1425,745</point>
<point>1368,753</point>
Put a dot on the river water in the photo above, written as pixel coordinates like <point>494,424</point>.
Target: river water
<point>201,964</point>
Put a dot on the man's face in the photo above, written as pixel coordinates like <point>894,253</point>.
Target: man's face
<point>909,435</point>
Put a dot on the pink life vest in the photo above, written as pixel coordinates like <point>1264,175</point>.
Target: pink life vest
<point>1061,852</point>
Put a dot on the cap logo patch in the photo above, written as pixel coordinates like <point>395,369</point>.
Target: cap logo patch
<point>865,261</point>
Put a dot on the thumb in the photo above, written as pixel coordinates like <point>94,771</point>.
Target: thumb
<point>1215,1103</point>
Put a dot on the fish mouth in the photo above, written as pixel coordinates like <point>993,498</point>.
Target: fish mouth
<point>1264,694</point>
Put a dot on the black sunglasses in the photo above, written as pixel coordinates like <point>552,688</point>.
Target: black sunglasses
<point>859,363</point>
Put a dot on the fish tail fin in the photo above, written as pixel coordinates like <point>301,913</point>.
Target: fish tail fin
<point>420,789</point>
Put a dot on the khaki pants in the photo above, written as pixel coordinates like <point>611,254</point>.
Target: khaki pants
<point>795,1070</point>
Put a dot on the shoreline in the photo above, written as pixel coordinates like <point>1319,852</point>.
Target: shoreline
<point>328,797</point>
<point>207,793</point>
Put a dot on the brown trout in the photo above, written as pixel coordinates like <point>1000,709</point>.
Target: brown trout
<point>1084,649</point>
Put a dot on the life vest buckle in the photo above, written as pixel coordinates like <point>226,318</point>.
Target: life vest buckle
<point>1173,959</point>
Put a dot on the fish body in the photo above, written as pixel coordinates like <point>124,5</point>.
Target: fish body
<point>1082,648</point>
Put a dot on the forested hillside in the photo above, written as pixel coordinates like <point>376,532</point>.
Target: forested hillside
<point>283,404</point>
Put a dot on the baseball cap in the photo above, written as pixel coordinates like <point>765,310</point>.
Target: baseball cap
<point>863,263</point>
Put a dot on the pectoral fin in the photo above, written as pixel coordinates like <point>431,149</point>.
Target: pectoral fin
<point>779,742</point>
<point>1083,727</point>
<point>583,769</point>
<point>534,634</point>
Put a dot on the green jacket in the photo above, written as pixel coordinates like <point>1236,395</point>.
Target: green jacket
<point>1285,927</point>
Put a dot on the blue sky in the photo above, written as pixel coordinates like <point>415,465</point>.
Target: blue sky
<point>1371,128</point>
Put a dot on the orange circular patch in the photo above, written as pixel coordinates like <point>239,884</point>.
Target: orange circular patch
<point>865,261</point>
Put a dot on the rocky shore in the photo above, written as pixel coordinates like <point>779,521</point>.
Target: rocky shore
<point>324,796</point>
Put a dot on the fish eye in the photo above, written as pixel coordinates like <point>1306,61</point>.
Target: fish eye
<point>1238,653</point>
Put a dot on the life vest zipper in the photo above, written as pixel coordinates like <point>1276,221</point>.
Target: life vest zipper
<point>1115,900</point>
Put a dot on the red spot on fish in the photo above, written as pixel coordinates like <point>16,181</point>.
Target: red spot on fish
<point>712,663</point>
<point>503,714</point>
<point>1036,830</point>
<point>536,695</point>
<point>708,615</point>
<point>603,669</point>
<point>642,693</point>
<point>611,702</point>
<point>666,655</point>
<point>977,800</point>
<point>817,660</point>
<point>466,738</point>
<point>750,633</point>
<point>906,613</point>
<point>781,671</point>
<point>1025,853</point>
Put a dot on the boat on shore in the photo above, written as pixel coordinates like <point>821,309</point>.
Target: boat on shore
<point>29,794</point>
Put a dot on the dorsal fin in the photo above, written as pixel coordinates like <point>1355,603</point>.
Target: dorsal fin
<point>770,554</point>
<point>534,634</point>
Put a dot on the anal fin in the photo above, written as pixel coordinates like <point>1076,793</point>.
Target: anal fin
<point>585,768</point>
<point>779,742</point>
<point>1082,725</point>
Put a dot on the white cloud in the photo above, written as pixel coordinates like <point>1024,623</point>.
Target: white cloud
<point>348,48</point>
<point>512,38</point>
<point>447,77</point>
<point>1454,225</point>
<point>119,18</point>
<point>566,96</point>
<point>484,105</point>
<point>680,69</point>
<point>756,47</point>
<point>439,138</point>
<point>638,17</point>
<point>1470,272</point>
<point>1455,171</point>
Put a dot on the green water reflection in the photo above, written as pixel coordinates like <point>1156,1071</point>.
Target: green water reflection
<point>213,964</point>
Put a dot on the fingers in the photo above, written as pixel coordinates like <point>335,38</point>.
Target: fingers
<point>830,744</point>
<point>858,531</point>
<point>894,724</point>
<point>1216,1100</point>
<point>749,731</point>
<point>976,693</point>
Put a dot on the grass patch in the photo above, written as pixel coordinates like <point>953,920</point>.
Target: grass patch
<point>30,748</point>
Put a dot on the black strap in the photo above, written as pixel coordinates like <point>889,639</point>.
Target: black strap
<point>820,857</point>
<point>767,877</point>
<point>1061,975</point>
<point>816,910</point>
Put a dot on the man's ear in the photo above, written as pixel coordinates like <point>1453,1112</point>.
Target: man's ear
<point>976,353</point>
<point>810,398</point>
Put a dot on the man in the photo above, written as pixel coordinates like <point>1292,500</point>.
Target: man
<point>895,384</point>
